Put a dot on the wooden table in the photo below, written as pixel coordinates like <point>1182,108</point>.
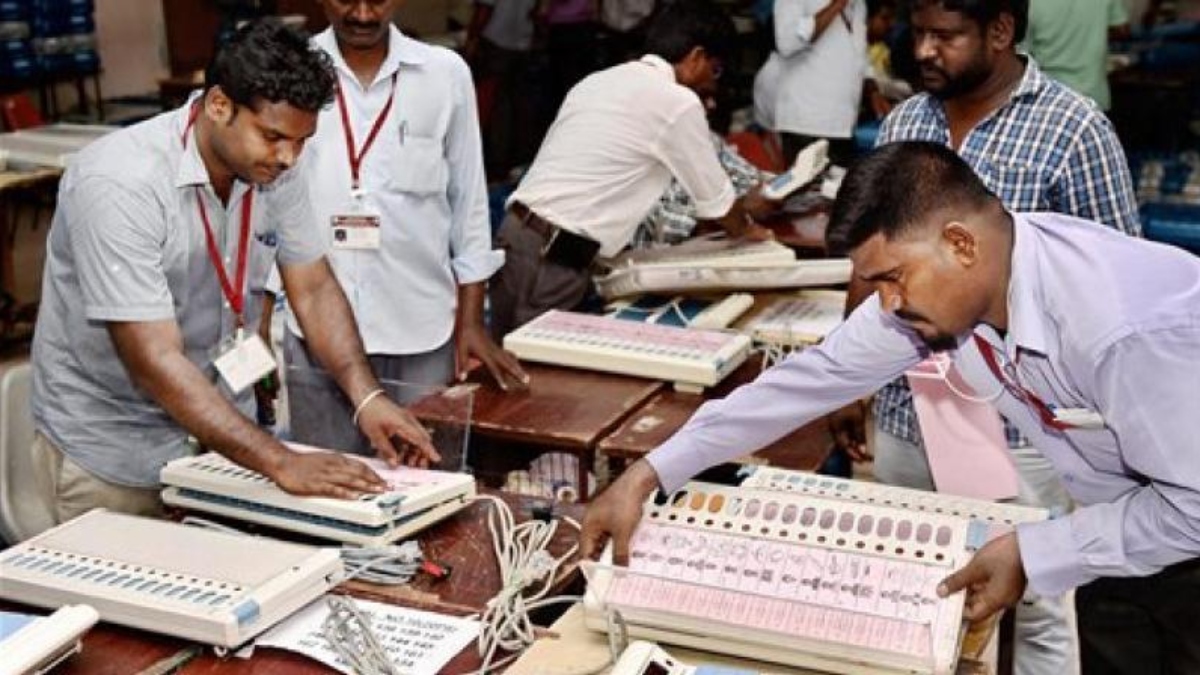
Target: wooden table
<point>10,182</point>
<point>804,232</point>
<point>461,541</point>
<point>564,409</point>
<point>661,416</point>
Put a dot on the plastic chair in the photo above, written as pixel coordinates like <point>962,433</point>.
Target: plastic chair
<point>23,512</point>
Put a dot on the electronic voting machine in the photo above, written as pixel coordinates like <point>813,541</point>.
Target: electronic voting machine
<point>691,358</point>
<point>200,584</point>
<point>416,498</point>
<point>715,263</point>
<point>36,644</point>
<point>828,575</point>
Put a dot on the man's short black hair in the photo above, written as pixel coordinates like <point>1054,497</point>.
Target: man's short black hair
<point>266,60</point>
<point>984,12</point>
<point>679,27</point>
<point>895,187</point>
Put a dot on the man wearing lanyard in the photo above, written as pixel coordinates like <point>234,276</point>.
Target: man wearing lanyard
<point>395,177</point>
<point>146,338</point>
<point>1039,316</point>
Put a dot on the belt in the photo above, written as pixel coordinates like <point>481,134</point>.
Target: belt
<point>560,246</point>
<point>532,220</point>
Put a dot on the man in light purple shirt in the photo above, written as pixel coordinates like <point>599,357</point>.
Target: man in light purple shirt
<point>1087,340</point>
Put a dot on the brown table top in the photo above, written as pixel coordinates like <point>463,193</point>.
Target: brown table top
<point>461,541</point>
<point>563,408</point>
<point>667,411</point>
<point>18,179</point>
<point>803,231</point>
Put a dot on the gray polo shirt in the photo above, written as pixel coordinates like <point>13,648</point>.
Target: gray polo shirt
<point>127,244</point>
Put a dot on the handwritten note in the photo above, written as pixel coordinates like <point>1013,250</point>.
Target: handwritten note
<point>416,641</point>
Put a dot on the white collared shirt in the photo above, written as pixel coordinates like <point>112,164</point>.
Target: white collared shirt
<point>424,177</point>
<point>813,86</point>
<point>620,136</point>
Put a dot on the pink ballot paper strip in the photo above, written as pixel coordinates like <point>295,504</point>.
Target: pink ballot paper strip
<point>398,478</point>
<point>964,437</point>
<point>790,578</point>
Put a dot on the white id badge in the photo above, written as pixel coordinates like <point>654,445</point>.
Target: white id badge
<point>1081,418</point>
<point>244,361</point>
<point>356,231</point>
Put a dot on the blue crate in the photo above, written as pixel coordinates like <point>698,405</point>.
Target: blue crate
<point>1177,224</point>
<point>62,24</point>
<point>45,7</point>
<point>85,62</point>
<point>13,10</point>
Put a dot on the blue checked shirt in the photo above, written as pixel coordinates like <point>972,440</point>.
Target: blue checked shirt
<point>1047,149</point>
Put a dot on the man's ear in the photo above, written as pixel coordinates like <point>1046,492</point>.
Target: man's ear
<point>1001,32</point>
<point>688,67</point>
<point>218,107</point>
<point>961,242</point>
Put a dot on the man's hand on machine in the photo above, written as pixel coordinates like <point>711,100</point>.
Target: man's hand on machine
<point>994,579</point>
<point>395,435</point>
<point>759,206</point>
<point>616,513</point>
<point>756,232</point>
<point>325,474</point>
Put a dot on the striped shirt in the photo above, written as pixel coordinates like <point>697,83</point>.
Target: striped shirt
<point>1046,149</point>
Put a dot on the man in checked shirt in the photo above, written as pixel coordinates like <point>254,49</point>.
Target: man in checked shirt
<point>1040,147</point>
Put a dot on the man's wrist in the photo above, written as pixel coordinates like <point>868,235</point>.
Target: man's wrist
<point>644,477</point>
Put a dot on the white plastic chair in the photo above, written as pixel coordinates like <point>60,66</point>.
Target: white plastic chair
<point>22,511</point>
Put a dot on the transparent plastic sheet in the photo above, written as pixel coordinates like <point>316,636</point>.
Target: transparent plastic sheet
<point>320,415</point>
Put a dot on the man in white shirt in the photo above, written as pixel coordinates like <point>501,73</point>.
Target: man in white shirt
<point>396,182</point>
<point>813,80</point>
<point>620,136</point>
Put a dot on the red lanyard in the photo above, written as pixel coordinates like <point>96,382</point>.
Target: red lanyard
<point>1019,392</point>
<point>234,295</point>
<point>356,158</point>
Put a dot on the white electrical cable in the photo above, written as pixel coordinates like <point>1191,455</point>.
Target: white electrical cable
<point>349,633</point>
<point>527,573</point>
<point>393,565</point>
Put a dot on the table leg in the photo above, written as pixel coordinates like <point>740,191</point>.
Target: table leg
<point>7,236</point>
<point>586,459</point>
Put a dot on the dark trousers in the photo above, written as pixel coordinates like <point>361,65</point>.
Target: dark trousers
<point>511,131</point>
<point>528,284</point>
<point>841,150</point>
<point>1141,625</point>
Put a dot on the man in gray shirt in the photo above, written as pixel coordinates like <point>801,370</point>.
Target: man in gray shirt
<point>161,231</point>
